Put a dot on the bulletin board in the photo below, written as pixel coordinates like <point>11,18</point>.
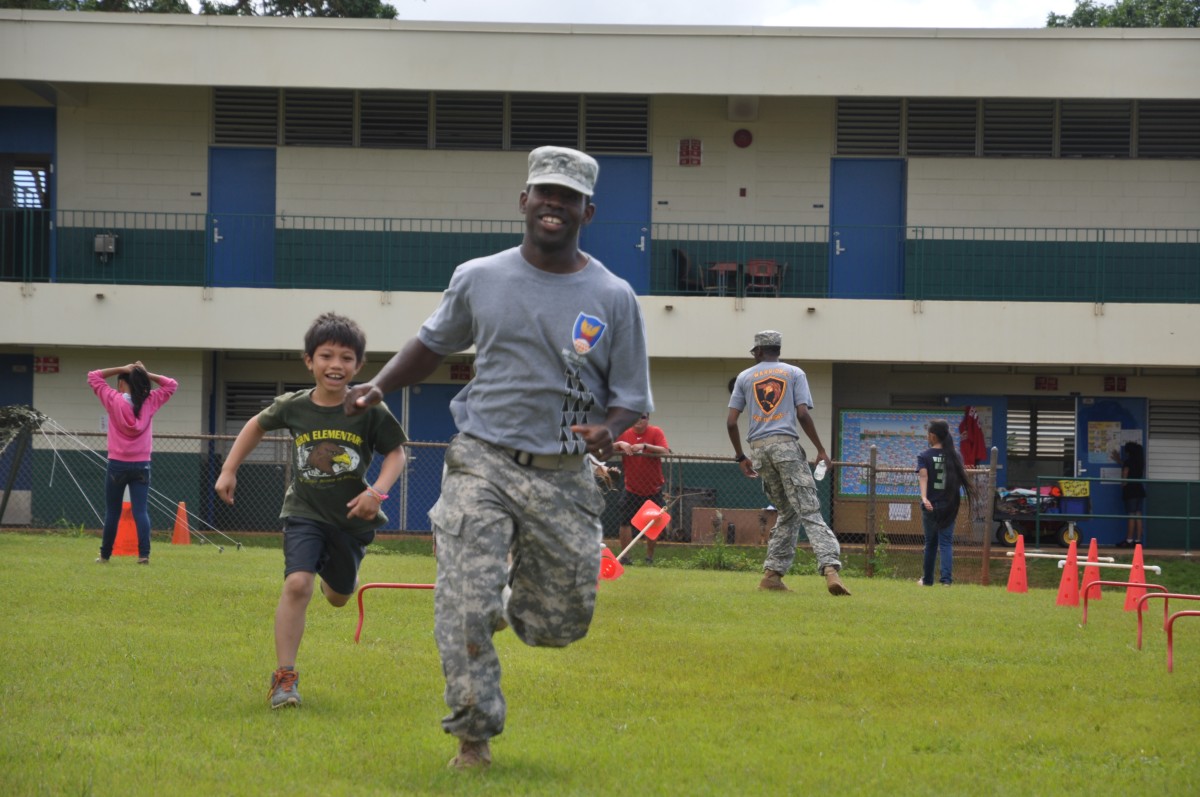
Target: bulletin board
<point>899,436</point>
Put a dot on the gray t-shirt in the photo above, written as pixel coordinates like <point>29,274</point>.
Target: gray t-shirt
<point>551,350</point>
<point>772,390</point>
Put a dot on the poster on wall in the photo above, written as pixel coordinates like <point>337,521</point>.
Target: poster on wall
<point>898,436</point>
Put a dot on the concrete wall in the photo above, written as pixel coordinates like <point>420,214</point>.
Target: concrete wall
<point>135,148</point>
<point>1059,192</point>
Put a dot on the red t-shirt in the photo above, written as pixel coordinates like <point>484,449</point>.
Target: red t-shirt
<point>643,474</point>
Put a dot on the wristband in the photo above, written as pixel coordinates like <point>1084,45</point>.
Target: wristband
<point>740,458</point>
<point>380,497</point>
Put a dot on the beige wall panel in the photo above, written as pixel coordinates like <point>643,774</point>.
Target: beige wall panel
<point>259,51</point>
<point>376,183</point>
<point>865,385</point>
<point>135,148</point>
<point>67,398</point>
<point>993,192</point>
<point>785,170</point>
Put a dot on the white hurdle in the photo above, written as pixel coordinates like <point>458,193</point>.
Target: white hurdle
<point>1151,568</point>
<point>1061,556</point>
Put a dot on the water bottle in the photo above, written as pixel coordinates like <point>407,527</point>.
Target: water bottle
<point>819,471</point>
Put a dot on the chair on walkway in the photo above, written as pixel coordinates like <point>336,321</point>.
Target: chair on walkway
<point>689,276</point>
<point>764,276</point>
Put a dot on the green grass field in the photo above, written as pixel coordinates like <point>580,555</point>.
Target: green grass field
<point>152,680</point>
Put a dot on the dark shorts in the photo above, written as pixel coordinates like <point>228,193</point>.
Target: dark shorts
<point>1134,506</point>
<point>310,546</point>
<point>631,503</point>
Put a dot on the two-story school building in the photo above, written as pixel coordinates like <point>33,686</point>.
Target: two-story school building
<point>934,219</point>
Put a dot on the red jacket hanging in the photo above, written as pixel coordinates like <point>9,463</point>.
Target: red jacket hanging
<point>970,439</point>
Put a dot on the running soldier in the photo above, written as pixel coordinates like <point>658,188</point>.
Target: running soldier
<point>560,372</point>
<point>778,397</point>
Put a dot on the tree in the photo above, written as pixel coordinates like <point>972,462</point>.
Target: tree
<point>1129,14</point>
<point>356,9</point>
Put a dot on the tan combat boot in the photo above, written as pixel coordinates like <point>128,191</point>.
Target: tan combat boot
<point>472,755</point>
<point>773,581</point>
<point>835,585</point>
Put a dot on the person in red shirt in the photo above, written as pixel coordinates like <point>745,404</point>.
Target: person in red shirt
<point>643,447</point>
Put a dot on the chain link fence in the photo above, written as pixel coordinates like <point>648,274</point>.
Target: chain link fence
<point>55,479</point>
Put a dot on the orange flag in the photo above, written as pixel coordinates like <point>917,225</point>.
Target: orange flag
<point>651,520</point>
<point>610,568</point>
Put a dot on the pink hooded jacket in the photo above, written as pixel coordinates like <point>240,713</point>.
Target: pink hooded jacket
<point>130,439</point>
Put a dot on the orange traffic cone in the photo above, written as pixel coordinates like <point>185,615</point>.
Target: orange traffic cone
<point>1016,575</point>
<point>610,568</point>
<point>182,535</point>
<point>1068,588</point>
<point>1137,575</point>
<point>126,543</point>
<point>1092,571</point>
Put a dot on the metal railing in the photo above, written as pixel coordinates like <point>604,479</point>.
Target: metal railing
<point>397,254</point>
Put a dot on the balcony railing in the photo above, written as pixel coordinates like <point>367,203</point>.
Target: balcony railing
<point>813,261</point>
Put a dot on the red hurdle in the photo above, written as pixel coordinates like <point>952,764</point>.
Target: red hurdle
<point>1170,626</point>
<point>1166,596</point>
<point>380,585</point>
<point>1098,583</point>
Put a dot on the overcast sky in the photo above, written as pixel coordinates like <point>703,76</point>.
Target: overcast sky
<point>799,13</point>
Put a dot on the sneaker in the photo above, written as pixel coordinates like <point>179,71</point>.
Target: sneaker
<point>143,560</point>
<point>283,688</point>
<point>921,582</point>
<point>101,560</point>
<point>472,755</point>
<point>945,583</point>
<point>649,560</point>
<point>625,560</point>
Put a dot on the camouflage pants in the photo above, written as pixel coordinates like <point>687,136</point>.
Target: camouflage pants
<point>550,521</point>
<point>786,479</point>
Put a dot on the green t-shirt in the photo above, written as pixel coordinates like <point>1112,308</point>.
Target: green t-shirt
<point>331,452</point>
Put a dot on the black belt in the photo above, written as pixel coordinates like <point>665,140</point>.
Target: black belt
<point>544,461</point>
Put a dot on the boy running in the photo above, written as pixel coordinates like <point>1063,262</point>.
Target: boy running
<point>330,512</point>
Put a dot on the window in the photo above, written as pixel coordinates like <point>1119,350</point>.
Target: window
<point>1174,442</point>
<point>1040,439</point>
<point>30,189</point>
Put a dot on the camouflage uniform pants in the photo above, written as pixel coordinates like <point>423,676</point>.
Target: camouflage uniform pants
<point>550,520</point>
<point>786,479</point>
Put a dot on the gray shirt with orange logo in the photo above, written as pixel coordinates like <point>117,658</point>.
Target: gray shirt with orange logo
<point>769,393</point>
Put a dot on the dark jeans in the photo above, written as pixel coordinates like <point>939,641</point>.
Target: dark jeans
<point>135,476</point>
<point>937,541</point>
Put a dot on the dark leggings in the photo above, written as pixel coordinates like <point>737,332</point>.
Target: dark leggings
<point>135,476</point>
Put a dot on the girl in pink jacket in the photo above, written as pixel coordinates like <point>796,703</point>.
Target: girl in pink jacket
<point>130,409</point>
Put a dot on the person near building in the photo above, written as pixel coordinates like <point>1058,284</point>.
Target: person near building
<point>776,397</point>
<point>1133,492</point>
<point>130,409</point>
<point>561,370</point>
<point>942,480</point>
<point>642,447</point>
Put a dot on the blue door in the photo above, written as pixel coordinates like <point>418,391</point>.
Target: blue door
<point>619,235</point>
<point>866,229</point>
<point>429,420</point>
<point>241,217</point>
<point>1102,426</point>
